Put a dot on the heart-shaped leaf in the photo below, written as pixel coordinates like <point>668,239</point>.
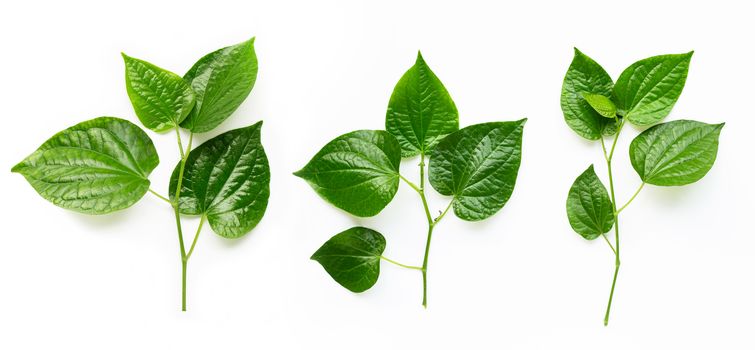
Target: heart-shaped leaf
<point>601,104</point>
<point>675,153</point>
<point>161,99</point>
<point>585,76</point>
<point>352,258</point>
<point>478,165</point>
<point>357,172</point>
<point>95,167</point>
<point>227,179</point>
<point>420,111</point>
<point>588,206</point>
<point>221,80</point>
<point>649,88</point>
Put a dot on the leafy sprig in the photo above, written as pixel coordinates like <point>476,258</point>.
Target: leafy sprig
<point>359,172</point>
<point>102,165</point>
<point>667,154</point>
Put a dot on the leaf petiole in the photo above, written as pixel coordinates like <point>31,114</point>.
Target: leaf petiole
<point>631,199</point>
<point>411,184</point>
<point>196,235</point>
<point>400,264</point>
<point>609,244</point>
<point>160,196</point>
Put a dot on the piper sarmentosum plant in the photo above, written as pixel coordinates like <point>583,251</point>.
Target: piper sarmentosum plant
<point>666,154</point>
<point>103,165</point>
<point>359,172</point>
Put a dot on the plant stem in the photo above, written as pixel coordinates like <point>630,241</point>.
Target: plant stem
<point>616,222</point>
<point>400,264</point>
<point>175,204</point>
<point>159,196</point>
<point>424,265</point>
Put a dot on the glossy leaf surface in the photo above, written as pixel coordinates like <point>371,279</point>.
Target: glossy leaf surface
<point>420,111</point>
<point>585,76</point>
<point>675,153</point>
<point>357,172</point>
<point>478,165</point>
<point>221,80</point>
<point>227,179</point>
<point>601,104</point>
<point>95,167</point>
<point>352,258</point>
<point>588,206</point>
<point>648,89</point>
<point>161,99</point>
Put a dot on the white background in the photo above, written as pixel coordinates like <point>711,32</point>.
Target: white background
<point>522,279</point>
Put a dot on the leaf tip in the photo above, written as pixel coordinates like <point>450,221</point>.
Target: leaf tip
<point>17,168</point>
<point>420,59</point>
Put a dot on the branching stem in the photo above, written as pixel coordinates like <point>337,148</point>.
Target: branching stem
<point>616,249</point>
<point>175,203</point>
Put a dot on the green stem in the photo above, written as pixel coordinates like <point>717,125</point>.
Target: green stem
<point>430,223</point>
<point>424,265</point>
<point>400,264</point>
<point>159,196</point>
<point>631,199</point>
<point>616,224</point>
<point>177,214</point>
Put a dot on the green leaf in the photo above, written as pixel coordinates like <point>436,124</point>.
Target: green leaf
<point>161,99</point>
<point>227,179</point>
<point>588,206</point>
<point>478,165</point>
<point>357,172</point>
<point>584,76</point>
<point>649,88</point>
<point>675,153</point>
<point>601,104</point>
<point>420,112</point>
<point>95,167</point>
<point>352,258</point>
<point>221,80</point>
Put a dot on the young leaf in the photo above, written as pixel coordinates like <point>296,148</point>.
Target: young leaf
<point>601,104</point>
<point>649,88</point>
<point>357,172</point>
<point>227,179</point>
<point>420,111</point>
<point>588,206</point>
<point>352,258</point>
<point>584,76</point>
<point>221,80</point>
<point>478,165</point>
<point>95,167</point>
<point>161,99</point>
<point>675,153</point>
